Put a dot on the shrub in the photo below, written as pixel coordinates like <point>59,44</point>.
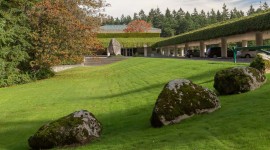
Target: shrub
<point>14,79</point>
<point>43,73</point>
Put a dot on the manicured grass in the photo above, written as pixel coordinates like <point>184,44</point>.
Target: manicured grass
<point>122,96</point>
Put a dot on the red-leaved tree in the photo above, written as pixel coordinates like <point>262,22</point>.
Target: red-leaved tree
<point>138,26</point>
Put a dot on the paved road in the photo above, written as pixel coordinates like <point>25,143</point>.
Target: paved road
<point>239,60</point>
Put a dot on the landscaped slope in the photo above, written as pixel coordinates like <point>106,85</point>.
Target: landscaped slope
<point>122,96</point>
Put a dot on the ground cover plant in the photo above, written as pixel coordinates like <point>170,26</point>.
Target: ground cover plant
<point>122,96</point>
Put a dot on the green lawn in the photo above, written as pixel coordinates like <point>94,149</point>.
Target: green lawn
<point>122,96</point>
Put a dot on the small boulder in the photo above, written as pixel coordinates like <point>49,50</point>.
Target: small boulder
<point>181,99</point>
<point>77,128</point>
<point>238,80</point>
<point>261,62</point>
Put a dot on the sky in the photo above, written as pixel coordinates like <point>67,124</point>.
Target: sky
<point>129,7</point>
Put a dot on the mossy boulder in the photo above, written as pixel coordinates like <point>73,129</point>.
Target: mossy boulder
<point>262,63</point>
<point>238,80</point>
<point>77,128</point>
<point>181,99</point>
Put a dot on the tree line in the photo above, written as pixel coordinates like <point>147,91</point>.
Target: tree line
<point>38,34</point>
<point>175,22</point>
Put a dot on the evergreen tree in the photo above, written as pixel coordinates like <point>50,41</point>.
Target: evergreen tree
<point>203,19</point>
<point>14,42</point>
<point>135,16</point>
<point>219,16</point>
<point>117,21</point>
<point>260,8</point>
<point>142,15</point>
<point>251,10</point>
<point>265,6</point>
<point>168,13</point>
<point>213,17</point>
<point>128,19</point>
<point>225,13</point>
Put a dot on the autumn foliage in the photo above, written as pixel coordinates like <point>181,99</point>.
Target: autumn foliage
<point>138,26</point>
<point>63,31</point>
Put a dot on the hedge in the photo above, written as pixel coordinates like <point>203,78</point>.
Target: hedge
<point>128,35</point>
<point>257,22</point>
<point>131,42</point>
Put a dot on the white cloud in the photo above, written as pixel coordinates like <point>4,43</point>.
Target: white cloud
<point>129,7</point>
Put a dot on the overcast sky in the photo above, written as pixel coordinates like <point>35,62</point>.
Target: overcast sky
<point>129,7</point>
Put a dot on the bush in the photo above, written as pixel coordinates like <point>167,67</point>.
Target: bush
<point>43,73</point>
<point>14,79</point>
<point>258,63</point>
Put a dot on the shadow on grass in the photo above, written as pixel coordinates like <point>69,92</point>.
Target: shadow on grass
<point>201,78</point>
<point>240,121</point>
<point>16,134</point>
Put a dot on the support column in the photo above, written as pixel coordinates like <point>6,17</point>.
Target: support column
<point>161,51</point>
<point>259,39</point>
<point>125,51</point>
<point>182,53</point>
<point>244,43</point>
<point>145,50</point>
<point>224,48</point>
<point>168,52</point>
<point>108,52</point>
<point>132,52</point>
<point>202,49</point>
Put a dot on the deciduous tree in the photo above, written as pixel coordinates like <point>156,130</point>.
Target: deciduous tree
<point>64,31</point>
<point>138,26</point>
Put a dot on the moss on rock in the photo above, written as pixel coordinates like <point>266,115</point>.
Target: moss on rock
<point>261,63</point>
<point>181,99</point>
<point>238,80</point>
<point>77,128</point>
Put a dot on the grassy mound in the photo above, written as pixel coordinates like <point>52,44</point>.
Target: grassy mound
<point>122,97</point>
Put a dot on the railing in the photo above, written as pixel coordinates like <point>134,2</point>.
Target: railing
<point>258,48</point>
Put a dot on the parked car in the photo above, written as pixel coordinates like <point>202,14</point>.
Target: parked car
<point>192,53</point>
<point>214,52</point>
<point>247,53</point>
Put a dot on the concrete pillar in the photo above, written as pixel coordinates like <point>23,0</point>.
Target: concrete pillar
<point>202,49</point>
<point>168,52</point>
<point>108,52</point>
<point>244,43</point>
<point>224,47</point>
<point>125,51</point>
<point>145,50</point>
<point>132,52</point>
<point>182,53</point>
<point>259,39</point>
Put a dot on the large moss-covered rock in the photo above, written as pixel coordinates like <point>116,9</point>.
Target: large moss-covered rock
<point>181,99</point>
<point>262,63</point>
<point>77,128</point>
<point>238,80</point>
<point>114,47</point>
